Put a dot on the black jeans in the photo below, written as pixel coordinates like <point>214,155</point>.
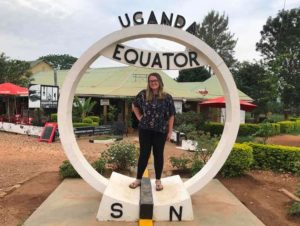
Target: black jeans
<point>149,139</point>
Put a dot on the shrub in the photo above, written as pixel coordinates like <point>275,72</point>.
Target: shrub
<point>121,155</point>
<point>238,162</point>
<point>276,128</point>
<point>76,119</point>
<point>180,162</point>
<point>112,113</point>
<point>99,165</point>
<point>53,117</point>
<point>266,130</point>
<point>243,139</point>
<point>186,128</point>
<point>95,124</point>
<point>95,119</point>
<point>286,126</point>
<point>189,117</point>
<point>80,124</point>
<point>276,117</point>
<point>248,129</point>
<point>297,125</point>
<point>88,120</point>
<point>214,128</point>
<point>206,145</point>
<point>67,170</point>
<point>294,209</point>
<point>276,157</point>
<point>197,165</point>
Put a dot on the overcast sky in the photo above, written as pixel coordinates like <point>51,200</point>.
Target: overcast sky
<point>33,28</point>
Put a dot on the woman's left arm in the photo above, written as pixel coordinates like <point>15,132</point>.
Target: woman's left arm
<point>170,130</point>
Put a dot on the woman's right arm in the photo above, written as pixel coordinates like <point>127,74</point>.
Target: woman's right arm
<point>137,112</point>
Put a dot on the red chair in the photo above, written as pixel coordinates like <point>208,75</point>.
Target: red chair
<point>17,119</point>
<point>30,121</point>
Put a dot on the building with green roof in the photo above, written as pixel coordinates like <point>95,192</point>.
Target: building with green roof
<point>121,83</point>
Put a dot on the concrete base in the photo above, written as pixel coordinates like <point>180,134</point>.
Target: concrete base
<point>75,203</point>
<point>173,203</point>
<point>21,129</point>
<point>119,202</point>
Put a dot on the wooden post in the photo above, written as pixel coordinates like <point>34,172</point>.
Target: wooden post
<point>198,108</point>
<point>125,112</point>
<point>105,113</point>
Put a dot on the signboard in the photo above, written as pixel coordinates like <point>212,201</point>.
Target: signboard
<point>104,102</point>
<point>49,96</point>
<point>48,132</point>
<point>42,96</point>
<point>178,106</point>
<point>34,96</point>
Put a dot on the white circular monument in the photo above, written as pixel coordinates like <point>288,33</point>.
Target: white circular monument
<point>110,45</point>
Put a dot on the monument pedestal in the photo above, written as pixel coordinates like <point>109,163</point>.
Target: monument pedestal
<point>121,203</point>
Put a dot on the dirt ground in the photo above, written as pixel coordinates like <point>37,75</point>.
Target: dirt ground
<point>34,165</point>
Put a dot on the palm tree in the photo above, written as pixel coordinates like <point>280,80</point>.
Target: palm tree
<point>82,109</point>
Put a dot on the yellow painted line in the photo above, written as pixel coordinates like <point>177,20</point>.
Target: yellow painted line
<point>146,173</point>
<point>145,222</point>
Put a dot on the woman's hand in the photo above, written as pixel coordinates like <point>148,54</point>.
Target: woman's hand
<point>140,118</point>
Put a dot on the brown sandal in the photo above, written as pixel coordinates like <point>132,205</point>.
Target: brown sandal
<point>158,185</point>
<point>135,184</point>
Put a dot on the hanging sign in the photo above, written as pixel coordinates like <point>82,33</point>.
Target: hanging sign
<point>104,102</point>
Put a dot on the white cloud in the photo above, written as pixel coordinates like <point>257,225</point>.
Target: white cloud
<point>52,8</point>
<point>33,28</point>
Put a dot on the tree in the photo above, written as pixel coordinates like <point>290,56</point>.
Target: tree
<point>64,61</point>
<point>82,109</point>
<point>199,74</point>
<point>280,47</point>
<point>214,31</point>
<point>254,80</point>
<point>265,131</point>
<point>14,71</point>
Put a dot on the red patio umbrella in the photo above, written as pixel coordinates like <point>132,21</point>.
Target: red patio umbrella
<point>12,90</point>
<point>219,102</point>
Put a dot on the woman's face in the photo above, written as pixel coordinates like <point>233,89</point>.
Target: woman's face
<point>153,83</point>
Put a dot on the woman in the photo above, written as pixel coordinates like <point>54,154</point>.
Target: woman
<point>155,111</point>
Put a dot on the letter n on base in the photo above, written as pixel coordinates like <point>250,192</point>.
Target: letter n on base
<point>173,203</point>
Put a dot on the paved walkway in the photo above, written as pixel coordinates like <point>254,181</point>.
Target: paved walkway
<point>75,203</point>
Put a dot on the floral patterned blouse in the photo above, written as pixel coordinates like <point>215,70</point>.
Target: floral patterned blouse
<point>156,113</point>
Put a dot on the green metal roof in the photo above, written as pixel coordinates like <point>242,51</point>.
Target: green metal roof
<point>128,81</point>
<point>213,86</point>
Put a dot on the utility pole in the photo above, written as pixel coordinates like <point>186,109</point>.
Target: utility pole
<point>55,74</point>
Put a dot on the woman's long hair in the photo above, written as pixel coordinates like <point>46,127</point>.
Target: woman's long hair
<point>161,93</point>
